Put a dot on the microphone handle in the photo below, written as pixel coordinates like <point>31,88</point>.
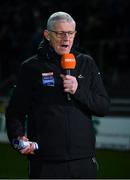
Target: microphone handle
<point>68,94</point>
<point>67,71</point>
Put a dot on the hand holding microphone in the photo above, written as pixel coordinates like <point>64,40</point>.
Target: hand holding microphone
<point>70,83</point>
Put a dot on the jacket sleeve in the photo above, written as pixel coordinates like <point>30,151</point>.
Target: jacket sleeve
<point>18,106</point>
<point>91,93</point>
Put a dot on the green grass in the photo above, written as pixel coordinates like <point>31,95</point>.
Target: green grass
<point>112,164</point>
<point>12,164</point>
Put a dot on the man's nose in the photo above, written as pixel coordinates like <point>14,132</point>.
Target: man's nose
<point>66,35</point>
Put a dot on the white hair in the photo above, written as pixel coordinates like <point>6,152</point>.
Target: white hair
<point>59,16</point>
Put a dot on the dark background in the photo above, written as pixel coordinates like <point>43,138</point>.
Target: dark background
<point>103,31</point>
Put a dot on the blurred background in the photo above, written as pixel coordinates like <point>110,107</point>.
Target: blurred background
<point>103,32</point>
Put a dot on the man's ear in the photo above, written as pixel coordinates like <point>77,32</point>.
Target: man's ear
<point>46,35</point>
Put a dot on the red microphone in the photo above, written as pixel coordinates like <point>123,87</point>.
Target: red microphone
<point>68,62</point>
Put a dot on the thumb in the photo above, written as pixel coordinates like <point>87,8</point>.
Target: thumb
<point>62,76</point>
<point>23,138</point>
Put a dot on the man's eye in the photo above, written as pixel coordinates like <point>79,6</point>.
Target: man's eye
<point>60,33</point>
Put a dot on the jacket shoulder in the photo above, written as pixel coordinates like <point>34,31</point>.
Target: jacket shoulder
<point>86,58</point>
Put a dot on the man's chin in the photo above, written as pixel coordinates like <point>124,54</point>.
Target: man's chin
<point>64,52</point>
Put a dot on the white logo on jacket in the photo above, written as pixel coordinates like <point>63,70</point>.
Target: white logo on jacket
<point>80,76</point>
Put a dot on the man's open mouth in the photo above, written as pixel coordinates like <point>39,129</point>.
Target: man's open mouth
<point>64,45</point>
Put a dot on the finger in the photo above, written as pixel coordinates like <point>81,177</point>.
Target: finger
<point>25,150</point>
<point>68,81</point>
<point>68,86</point>
<point>28,150</point>
<point>62,76</point>
<point>23,138</point>
<point>32,147</point>
<point>67,77</point>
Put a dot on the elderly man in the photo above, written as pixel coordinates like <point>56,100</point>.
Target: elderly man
<point>58,107</point>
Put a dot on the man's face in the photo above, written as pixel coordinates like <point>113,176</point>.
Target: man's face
<point>61,37</point>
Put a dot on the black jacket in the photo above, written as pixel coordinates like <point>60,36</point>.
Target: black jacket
<point>63,129</point>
